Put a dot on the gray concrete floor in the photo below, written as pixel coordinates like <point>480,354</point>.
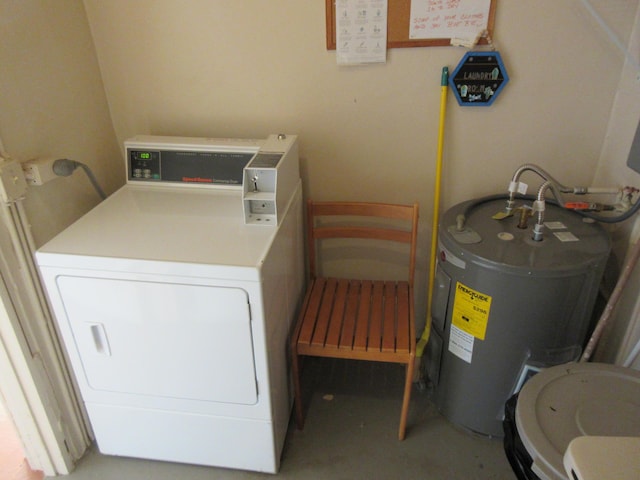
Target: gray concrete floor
<point>350,433</point>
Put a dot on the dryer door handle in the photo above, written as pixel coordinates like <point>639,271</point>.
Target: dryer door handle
<point>100,341</point>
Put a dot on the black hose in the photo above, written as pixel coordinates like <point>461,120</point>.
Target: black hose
<point>471,204</point>
<point>617,219</point>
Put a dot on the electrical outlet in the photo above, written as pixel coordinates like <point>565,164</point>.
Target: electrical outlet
<point>12,182</point>
<point>39,171</point>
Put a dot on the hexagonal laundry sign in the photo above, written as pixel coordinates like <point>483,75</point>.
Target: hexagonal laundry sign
<point>478,79</point>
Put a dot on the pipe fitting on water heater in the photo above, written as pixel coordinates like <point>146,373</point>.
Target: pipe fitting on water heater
<point>625,205</point>
<point>538,229</point>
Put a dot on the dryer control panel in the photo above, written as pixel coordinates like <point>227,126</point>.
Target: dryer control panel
<point>218,168</point>
<point>184,160</point>
<point>265,171</point>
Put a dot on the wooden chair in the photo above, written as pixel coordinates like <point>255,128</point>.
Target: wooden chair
<point>358,319</point>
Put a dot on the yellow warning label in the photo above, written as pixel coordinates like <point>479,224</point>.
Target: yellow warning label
<point>471,311</point>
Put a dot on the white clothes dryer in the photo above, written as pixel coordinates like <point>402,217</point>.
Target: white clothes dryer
<point>174,311</point>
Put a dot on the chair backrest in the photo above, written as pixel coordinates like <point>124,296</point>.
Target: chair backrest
<point>403,216</point>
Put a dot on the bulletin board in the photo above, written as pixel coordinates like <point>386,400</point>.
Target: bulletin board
<point>398,17</point>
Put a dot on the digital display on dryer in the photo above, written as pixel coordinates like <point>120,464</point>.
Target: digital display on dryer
<point>144,165</point>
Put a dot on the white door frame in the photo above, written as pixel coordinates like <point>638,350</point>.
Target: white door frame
<point>24,403</point>
<point>36,386</point>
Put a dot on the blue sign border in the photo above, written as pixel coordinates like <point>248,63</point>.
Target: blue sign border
<point>463,62</point>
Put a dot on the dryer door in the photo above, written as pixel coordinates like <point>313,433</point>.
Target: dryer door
<point>161,339</point>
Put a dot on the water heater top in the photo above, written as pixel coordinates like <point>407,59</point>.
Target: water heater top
<point>569,240</point>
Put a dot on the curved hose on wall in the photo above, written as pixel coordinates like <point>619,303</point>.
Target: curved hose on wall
<point>64,167</point>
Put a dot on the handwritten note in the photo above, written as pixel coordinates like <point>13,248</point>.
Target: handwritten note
<point>465,19</point>
<point>361,31</point>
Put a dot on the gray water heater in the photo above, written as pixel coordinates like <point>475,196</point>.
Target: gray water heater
<point>505,306</point>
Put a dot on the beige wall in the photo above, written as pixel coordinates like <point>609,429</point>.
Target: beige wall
<point>52,103</point>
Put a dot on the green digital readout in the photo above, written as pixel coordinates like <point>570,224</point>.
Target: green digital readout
<point>145,155</point>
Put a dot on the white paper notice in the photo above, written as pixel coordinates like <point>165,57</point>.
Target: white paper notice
<point>448,18</point>
<point>461,344</point>
<point>361,31</point>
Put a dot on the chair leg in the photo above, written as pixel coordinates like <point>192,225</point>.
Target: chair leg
<point>408,384</point>
<point>297,390</point>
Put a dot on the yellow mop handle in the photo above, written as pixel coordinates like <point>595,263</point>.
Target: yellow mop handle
<point>424,338</point>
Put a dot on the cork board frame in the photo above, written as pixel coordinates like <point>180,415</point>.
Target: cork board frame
<point>399,12</point>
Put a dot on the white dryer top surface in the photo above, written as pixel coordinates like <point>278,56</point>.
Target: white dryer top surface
<point>193,226</point>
